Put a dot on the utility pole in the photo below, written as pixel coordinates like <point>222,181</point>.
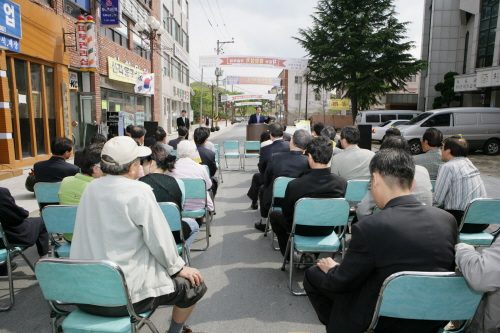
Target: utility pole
<point>218,72</point>
<point>201,97</point>
<point>212,129</point>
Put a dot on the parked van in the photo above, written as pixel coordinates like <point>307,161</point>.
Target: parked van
<point>479,126</point>
<point>378,117</point>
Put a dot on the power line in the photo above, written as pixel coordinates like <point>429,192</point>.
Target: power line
<point>215,19</point>
<point>208,19</point>
<point>222,18</point>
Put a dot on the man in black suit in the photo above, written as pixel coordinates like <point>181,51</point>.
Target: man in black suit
<point>20,229</point>
<point>278,145</point>
<point>207,156</point>
<point>56,168</point>
<point>318,182</point>
<point>183,120</point>
<point>258,117</point>
<point>96,138</point>
<point>286,136</point>
<point>286,164</point>
<point>404,236</point>
<point>182,133</point>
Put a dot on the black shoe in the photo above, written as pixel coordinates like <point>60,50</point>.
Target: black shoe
<point>3,268</point>
<point>260,226</point>
<point>254,205</point>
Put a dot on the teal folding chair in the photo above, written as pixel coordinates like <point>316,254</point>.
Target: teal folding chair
<point>480,211</point>
<point>96,282</point>
<point>279,188</point>
<point>47,194</point>
<point>232,150</point>
<point>5,255</point>
<point>249,148</point>
<point>173,215</point>
<point>175,154</point>
<point>196,189</point>
<point>59,219</point>
<point>328,212</point>
<point>356,190</point>
<point>217,161</point>
<point>433,183</point>
<point>426,296</point>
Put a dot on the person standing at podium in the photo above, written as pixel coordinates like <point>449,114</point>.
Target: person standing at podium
<point>258,117</point>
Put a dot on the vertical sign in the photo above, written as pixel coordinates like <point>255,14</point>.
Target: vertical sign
<point>91,43</point>
<point>65,107</point>
<point>110,14</point>
<point>81,44</point>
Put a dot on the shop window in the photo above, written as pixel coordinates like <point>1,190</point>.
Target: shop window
<point>176,70</point>
<point>487,33</point>
<point>36,97</point>
<point>85,4</point>
<point>49,93</point>
<point>21,94</point>
<point>115,36</point>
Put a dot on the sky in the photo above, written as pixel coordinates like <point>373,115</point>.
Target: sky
<point>265,28</point>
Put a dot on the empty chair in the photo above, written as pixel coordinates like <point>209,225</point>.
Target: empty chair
<point>440,296</point>
<point>96,282</point>
<point>480,211</point>
<point>356,190</point>
<point>232,150</point>
<point>217,161</point>
<point>59,219</point>
<point>47,194</point>
<point>173,215</point>
<point>250,149</point>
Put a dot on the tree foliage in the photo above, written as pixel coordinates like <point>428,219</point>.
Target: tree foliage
<point>356,47</point>
<point>448,94</point>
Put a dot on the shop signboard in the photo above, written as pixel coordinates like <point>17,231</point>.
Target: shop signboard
<point>110,14</point>
<point>120,71</point>
<point>339,104</point>
<point>73,80</point>
<point>10,19</point>
<point>181,54</point>
<point>11,43</point>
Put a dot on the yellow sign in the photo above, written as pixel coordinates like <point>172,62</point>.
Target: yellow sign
<point>120,71</point>
<point>216,118</point>
<point>339,104</point>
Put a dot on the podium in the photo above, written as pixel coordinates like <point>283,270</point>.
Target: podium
<point>255,130</point>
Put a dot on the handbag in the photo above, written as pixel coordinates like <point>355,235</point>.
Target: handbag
<point>30,181</point>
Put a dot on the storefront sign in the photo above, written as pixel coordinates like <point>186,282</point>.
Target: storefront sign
<point>465,83</point>
<point>181,93</point>
<point>65,107</point>
<point>488,78</point>
<point>120,71</point>
<point>10,43</point>
<point>179,53</point>
<point>253,61</point>
<point>73,80</point>
<point>271,97</point>
<point>10,19</point>
<point>110,14</point>
<point>267,81</point>
<point>339,104</point>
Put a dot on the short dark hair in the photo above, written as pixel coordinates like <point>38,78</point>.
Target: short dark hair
<point>129,128</point>
<point>434,137</point>
<point>276,130</point>
<point>301,139</point>
<point>148,142</point>
<point>60,145</point>
<point>91,156</point>
<point>137,132</point>
<point>264,136</point>
<point>329,132</point>
<point>395,142</point>
<point>182,131</point>
<point>258,107</point>
<point>392,131</point>
<point>98,138</point>
<point>160,134</point>
<point>183,111</point>
<point>200,135</point>
<point>318,127</point>
<point>458,146</point>
<point>321,149</point>
<point>350,134</point>
<point>396,166</point>
<point>163,160</point>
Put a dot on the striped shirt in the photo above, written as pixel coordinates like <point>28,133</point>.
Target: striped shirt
<point>458,183</point>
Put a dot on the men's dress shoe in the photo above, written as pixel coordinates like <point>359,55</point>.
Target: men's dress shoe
<point>3,268</point>
<point>254,205</point>
<point>260,226</point>
<point>187,329</point>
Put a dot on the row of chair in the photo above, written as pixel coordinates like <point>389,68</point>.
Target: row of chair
<point>251,149</point>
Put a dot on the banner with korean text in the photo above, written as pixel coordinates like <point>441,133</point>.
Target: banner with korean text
<point>248,103</point>
<point>339,104</point>
<point>267,81</point>
<point>298,64</point>
<point>120,71</point>
<point>245,97</point>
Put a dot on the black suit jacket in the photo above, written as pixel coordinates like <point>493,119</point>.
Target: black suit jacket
<point>253,119</point>
<point>266,153</point>
<point>55,169</point>
<point>12,215</point>
<point>181,122</point>
<point>175,142</point>
<point>207,158</point>
<point>405,236</point>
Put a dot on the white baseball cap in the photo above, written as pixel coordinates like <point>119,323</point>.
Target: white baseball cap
<point>123,150</point>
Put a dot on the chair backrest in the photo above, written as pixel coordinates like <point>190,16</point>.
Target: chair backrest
<point>217,148</point>
<point>279,186</point>
<point>59,218</point>
<point>482,211</point>
<point>175,153</point>
<point>321,212</point>
<point>195,188</point>
<point>356,189</point>
<point>252,145</point>
<point>207,169</point>
<point>433,183</point>
<point>426,296</point>
<point>231,145</point>
<point>47,192</point>
<point>172,214</point>
<point>97,282</point>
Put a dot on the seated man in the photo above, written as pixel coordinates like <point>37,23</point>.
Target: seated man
<point>207,156</point>
<point>398,238</point>
<point>161,138</point>
<point>56,168</point>
<point>482,272</point>
<point>318,182</point>
<point>119,220</point>
<point>353,162</point>
<point>182,133</point>
<point>431,145</point>
<point>330,132</point>
<point>286,164</point>
<point>458,182</point>
<point>138,133</point>
<point>20,229</point>
<point>97,138</point>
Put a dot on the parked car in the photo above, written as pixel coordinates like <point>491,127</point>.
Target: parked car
<point>378,117</point>
<point>479,126</point>
<point>378,132</point>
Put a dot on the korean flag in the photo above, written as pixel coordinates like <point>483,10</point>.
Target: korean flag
<point>145,84</point>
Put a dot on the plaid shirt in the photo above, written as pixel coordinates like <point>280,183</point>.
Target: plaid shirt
<point>458,183</point>
<point>431,160</point>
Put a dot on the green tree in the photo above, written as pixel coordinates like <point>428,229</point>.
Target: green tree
<point>356,47</point>
<point>206,101</point>
<point>448,94</point>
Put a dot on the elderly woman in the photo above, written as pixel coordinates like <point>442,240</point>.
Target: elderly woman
<point>167,188</point>
<point>186,167</point>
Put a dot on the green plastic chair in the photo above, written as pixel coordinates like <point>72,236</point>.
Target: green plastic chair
<point>47,194</point>
<point>250,146</point>
<point>96,282</point>
<point>433,183</point>
<point>173,215</point>
<point>232,150</point>
<point>426,296</point>
<point>356,190</point>
<point>332,212</point>
<point>480,211</point>
<point>59,219</point>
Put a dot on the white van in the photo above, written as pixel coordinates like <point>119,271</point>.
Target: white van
<point>479,126</point>
<point>378,117</point>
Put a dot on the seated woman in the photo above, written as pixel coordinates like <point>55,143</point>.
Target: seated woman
<point>166,188</point>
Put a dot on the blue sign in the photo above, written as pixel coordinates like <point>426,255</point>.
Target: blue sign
<point>10,43</point>
<point>10,19</point>
<point>110,13</point>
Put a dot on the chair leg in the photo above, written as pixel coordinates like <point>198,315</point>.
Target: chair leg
<point>11,285</point>
<point>284,257</point>
<point>273,241</point>
<point>208,220</point>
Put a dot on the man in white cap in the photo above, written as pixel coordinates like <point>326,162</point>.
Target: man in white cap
<point>119,220</point>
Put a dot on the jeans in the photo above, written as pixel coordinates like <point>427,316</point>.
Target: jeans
<point>195,229</point>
